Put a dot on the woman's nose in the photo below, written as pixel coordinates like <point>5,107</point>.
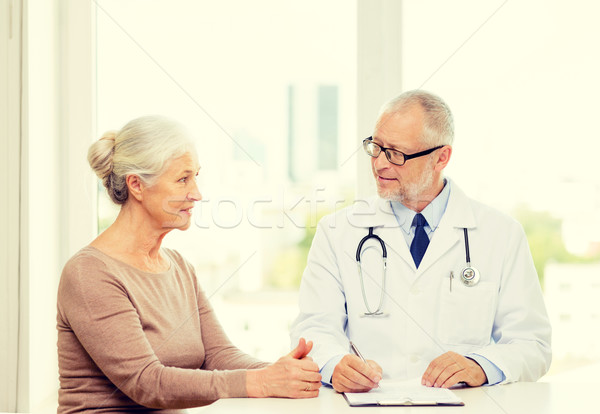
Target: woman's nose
<point>194,195</point>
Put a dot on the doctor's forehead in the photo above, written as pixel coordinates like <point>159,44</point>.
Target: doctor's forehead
<point>403,128</point>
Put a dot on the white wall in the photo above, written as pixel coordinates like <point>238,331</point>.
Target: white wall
<point>10,176</point>
<point>37,364</point>
<point>57,189</point>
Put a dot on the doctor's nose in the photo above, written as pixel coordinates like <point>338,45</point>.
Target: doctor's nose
<point>381,162</point>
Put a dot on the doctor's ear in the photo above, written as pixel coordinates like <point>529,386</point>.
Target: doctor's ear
<point>444,155</point>
<point>135,186</point>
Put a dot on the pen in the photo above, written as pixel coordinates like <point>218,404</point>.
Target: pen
<point>451,277</point>
<point>357,352</point>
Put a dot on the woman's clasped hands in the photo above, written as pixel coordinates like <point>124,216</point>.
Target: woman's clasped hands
<point>294,375</point>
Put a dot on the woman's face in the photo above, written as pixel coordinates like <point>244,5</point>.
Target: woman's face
<point>170,200</point>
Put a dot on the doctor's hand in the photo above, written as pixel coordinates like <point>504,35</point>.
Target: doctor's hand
<point>451,368</point>
<point>351,374</point>
<point>293,376</point>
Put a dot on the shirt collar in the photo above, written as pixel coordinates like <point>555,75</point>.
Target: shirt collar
<point>433,212</point>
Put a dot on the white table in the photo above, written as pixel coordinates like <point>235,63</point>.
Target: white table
<point>517,398</point>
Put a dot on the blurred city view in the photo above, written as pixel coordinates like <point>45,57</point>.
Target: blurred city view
<point>268,90</point>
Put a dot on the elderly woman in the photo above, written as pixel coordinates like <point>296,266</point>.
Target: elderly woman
<point>135,329</point>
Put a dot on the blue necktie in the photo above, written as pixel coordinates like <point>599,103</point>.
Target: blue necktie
<point>421,241</point>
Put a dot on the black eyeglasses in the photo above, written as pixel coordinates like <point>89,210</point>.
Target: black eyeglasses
<point>394,156</point>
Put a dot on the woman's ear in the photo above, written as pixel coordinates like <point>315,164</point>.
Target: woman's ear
<point>135,186</point>
<point>443,158</point>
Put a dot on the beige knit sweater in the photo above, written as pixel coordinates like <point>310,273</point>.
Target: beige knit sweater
<point>129,339</point>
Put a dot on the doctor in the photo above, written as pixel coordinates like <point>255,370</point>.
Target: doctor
<point>458,299</point>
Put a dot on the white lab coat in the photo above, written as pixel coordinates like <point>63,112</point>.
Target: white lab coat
<point>503,318</point>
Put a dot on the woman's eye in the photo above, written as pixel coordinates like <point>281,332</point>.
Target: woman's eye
<point>183,180</point>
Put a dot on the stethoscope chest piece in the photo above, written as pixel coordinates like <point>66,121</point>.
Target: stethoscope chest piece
<point>469,276</point>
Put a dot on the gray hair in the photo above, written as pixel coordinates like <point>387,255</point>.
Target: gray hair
<point>143,147</point>
<point>439,123</point>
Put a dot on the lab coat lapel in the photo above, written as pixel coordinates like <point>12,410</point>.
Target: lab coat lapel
<point>394,239</point>
<point>459,215</point>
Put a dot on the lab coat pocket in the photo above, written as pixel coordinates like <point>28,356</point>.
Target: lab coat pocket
<point>467,315</point>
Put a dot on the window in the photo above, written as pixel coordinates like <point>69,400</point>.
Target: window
<point>271,105</point>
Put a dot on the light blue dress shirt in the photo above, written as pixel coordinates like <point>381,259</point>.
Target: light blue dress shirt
<point>433,213</point>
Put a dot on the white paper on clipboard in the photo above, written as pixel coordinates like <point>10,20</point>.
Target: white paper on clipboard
<point>409,392</point>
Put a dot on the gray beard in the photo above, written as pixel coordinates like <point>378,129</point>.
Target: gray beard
<point>408,193</point>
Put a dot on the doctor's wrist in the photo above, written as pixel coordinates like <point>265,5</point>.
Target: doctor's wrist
<point>478,373</point>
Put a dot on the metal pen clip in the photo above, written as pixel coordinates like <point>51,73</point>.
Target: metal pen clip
<point>451,277</point>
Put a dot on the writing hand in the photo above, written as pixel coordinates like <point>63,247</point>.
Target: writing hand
<point>351,374</point>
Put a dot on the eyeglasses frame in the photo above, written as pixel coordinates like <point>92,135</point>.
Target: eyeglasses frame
<point>406,157</point>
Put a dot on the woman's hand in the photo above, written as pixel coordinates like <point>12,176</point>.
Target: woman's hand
<point>293,376</point>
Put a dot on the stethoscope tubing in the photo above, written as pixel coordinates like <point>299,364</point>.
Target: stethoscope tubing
<point>367,237</point>
<point>377,311</point>
<point>467,250</point>
<point>467,280</point>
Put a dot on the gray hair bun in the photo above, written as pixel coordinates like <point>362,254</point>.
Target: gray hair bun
<point>100,158</point>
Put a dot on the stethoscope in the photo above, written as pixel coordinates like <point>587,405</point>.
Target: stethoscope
<point>469,275</point>
<point>369,312</point>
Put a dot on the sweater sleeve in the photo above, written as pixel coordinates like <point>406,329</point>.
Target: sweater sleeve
<point>98,309</point>
<point>220,353</point>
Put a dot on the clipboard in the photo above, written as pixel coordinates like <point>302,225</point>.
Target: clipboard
<point>403,394</point>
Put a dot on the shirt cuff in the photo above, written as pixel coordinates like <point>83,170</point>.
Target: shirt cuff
<point>492,372</point>
<point>327,370</point>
